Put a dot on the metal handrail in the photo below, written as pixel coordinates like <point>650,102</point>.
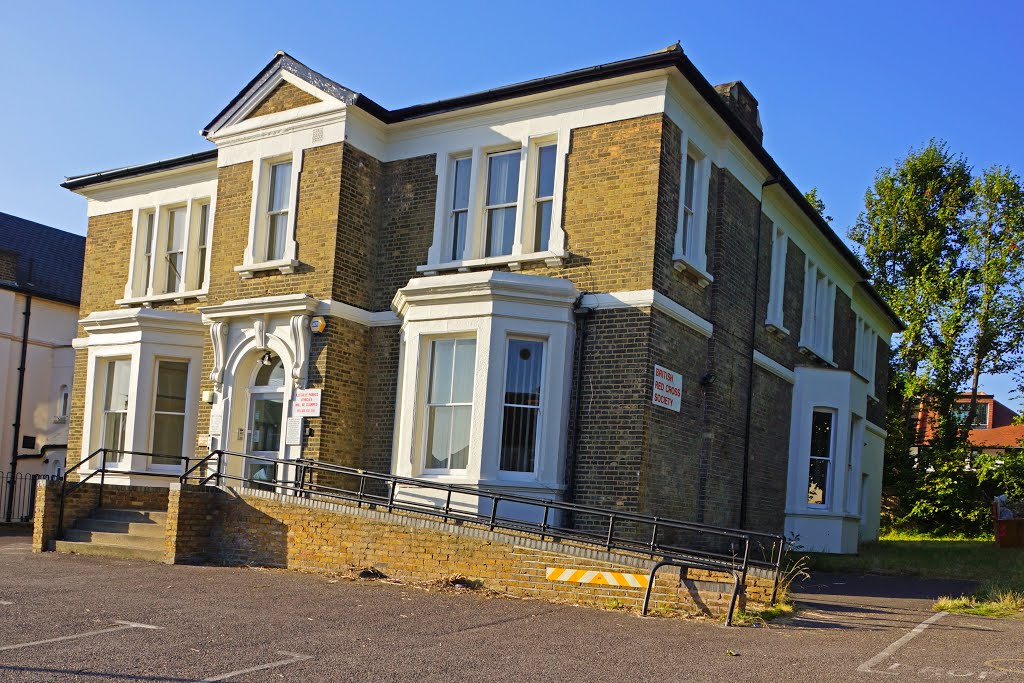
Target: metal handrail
<point>736,564</point>
<point>102,471</point>
<point>740,558</point>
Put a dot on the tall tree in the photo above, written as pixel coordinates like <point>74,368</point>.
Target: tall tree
<point>818,203</point>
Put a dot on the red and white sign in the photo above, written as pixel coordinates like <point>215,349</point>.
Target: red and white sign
<point>668,388</point>
<point>306,403</point>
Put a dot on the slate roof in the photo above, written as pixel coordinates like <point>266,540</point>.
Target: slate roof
<point>56,256</point>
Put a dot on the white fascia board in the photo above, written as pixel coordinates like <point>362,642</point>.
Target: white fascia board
<point>648,298</point>
<point>153,189</point>
<point>511,122</point>
<point>774,367</point>
<point>140,318</point>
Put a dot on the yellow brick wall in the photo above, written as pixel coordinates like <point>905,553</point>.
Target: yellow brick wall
<point>285,96</point>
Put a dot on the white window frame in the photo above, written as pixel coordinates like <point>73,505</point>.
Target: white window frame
<point>157,467</point>
<point>540,407</point>
<point>817,328</point>
<point>775,318</point>
<point>865,350</point>
<point>148,264</point>
<point>123,459</point>
<point>524,250</point>
<point>255,256</point>
<point>690,250</point>
<point>63,404</point>
<point>424,405</point>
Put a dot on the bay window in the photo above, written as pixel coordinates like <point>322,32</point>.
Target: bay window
<point>484,379</point>
<point>521,405</point>
<point>449,403</point>
<point>499,206</point>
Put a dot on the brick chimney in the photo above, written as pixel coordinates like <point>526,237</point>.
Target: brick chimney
<point>743,104</point>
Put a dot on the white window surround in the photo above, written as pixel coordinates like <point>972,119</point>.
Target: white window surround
<point>144,337</point>
<point>865,349</point>
<point>690,251</point>
<point>817,326</point>
<point>775,319</point>
<point>254,258</point>
<point>492,307</point>
<point>439,256</point>
<point>146,281</point>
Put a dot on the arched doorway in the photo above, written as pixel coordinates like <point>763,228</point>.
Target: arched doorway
<point>266,411</point>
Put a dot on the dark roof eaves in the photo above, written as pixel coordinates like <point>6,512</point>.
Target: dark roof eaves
<point>78,182</point>
<point>39,293</point>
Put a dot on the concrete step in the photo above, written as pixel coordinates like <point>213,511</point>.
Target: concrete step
<point>107,538</point>
<point>106,550</point>
<point>113,527</point>
<point>133,516</point>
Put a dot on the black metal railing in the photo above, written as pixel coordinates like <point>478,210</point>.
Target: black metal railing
<point>112,465</point>
<point>24,494</point>
<point>674,542</point>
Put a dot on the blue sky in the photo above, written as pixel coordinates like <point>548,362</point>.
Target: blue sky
<point>844,88</point>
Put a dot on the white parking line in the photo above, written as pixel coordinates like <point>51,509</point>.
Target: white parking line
<point>122,626</point>
<point>292,659</point>
<point>869,666</point>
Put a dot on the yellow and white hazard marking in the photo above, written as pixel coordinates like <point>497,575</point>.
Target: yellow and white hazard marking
<point>597,577</point>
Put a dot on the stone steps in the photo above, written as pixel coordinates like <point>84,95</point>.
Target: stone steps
<point>117,533</point>
<point>121,552</point>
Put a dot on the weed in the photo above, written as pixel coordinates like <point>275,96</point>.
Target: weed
<point>991,600</point>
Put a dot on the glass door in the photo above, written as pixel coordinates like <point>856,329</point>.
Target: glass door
<point>266,419</point>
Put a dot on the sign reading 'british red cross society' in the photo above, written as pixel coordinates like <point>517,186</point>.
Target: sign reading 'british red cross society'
<point>668,388</point>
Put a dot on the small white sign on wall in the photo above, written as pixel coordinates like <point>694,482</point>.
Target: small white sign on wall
<point>216,420</point>
<point>668,388</point>
<point>306,403</point>
<point>293,431</point>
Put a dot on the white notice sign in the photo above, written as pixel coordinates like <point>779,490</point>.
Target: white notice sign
<point>216,420</point>
<point>668,388</point>
<point>307,403</point>
<point>293,432</point>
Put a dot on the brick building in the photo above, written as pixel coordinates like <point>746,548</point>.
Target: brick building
<point>994,430</point>
<point>500,276</point>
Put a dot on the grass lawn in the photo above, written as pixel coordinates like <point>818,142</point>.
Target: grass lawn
<point>999,571</point>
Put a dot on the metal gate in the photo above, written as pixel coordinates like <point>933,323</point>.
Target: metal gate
<point>24,495</point>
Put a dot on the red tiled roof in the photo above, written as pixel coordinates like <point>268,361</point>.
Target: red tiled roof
<point>1009,436</point>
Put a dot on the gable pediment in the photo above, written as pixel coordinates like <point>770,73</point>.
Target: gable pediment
<point>284,90</point>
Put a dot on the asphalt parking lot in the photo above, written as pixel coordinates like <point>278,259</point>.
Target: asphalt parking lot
<point>72,618</point>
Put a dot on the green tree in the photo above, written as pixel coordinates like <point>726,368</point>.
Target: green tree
<point>818,203</point>
<point>944,248</point>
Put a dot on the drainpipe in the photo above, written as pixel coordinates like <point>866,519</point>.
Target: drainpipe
<point>18,400</point>
<point>744,487</point>
<point>582,314</point>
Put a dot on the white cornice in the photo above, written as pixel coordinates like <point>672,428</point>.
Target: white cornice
<point>774,367</point>
<point>266,305</point>
<point>648,298</point>
<point>474,287</point>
